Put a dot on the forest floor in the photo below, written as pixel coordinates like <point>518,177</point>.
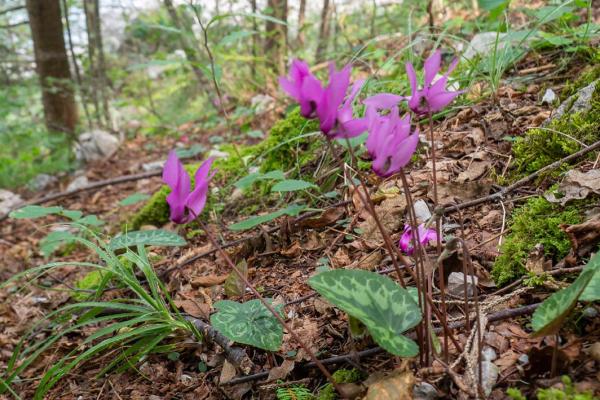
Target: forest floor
<point>471,145</point>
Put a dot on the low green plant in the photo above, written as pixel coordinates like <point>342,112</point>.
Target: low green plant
<point>568,393</point>
<point>296,392</point>
<point>537,221</point>
<point>327,392</point>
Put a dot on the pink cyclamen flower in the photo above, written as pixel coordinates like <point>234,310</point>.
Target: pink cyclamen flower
<point>303,86</point>
<point>329,104</point>
<point>426,235</point>
<point>391,143</point>
<point>433,96</point>
<point>186,204</point>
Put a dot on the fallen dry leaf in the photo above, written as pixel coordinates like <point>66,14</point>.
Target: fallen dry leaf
<point>207,281</point>
<point>282,371</point>
<point>584,237</point>
<point>397,386</point>
<point>576,185</point>
<point>327,218</point>
<point>194,308</point>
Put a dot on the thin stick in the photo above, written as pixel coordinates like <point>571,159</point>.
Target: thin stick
<point>284,324</point>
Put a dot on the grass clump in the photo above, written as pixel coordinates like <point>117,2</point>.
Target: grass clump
<point>288,148</point>
<point>535,222</point>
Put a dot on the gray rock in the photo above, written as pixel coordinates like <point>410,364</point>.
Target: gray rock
<point>8,201</point>
<point>424,391</point>
<point>489,376</point>
<point>153,165</point>
<point>78,183</point>
<point>42,181</point>
<point>579,102</point>
<point>422,211</point>
<point>261,103</point>
<point>456,283</point>
<point>488,354</point>
<point>549,97</point>
<point>483,44</point>
<point>95,145</point>
<point>523,359</point>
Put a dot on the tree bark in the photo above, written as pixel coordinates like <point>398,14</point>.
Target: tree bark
<point>191,53</point>
<point>276,35</point>
<point>324,30</point>
<point>60,110</point>
<point>301,17</point>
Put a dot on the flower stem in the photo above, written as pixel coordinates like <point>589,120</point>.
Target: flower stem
<point>288,328</point>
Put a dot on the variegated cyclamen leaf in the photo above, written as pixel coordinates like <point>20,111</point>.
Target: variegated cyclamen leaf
<point>549,316</point>
<point>592,290</point>
<point>155,237</point>
<point>248,323</point>
<point>377,301</point>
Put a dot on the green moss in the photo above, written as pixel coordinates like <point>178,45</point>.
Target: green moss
<point>327,392</point>
<point>535,222</point>
<point>542,146</point>
<point>91,281</point>
<point>567,393</point>
<point>288,147</point>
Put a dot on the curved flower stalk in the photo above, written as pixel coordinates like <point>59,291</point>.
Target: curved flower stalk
<point>329,104</point>
<point>390,143</point>
<point>433,96</point>
<point>186,204</point>
<point>425,236</point>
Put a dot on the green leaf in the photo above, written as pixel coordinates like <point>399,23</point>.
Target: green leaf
<point>190,152</point>
<point>292,185</point>
<point>134,198</point>
<point>72,214</point>
<point>156,237</point>
<point>592,290</point>
<point>549,316</point>
<point>250,179</point>
<point>54,240</point>
<point>251,222</point>
<point>248,323</point>
<point>493,5</point>
<point>34,212</point>
<point>377,301</point>
<point>91,220</point>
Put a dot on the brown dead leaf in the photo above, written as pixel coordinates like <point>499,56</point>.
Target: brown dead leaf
<point>576,185</point>
<point>234,285</point>
<point>292,251</point>
<point>391,213</point>
<point>397,386</point>
<point>327,218</point>
<point>341,258</point>
<point>228,372</point>
<point>194,308</point>
<point>474,171</point>
<point>282,371</point>
<point>451,192</point>
<point>584,237</point>
<point>207,281</point>
<point>536,261</point>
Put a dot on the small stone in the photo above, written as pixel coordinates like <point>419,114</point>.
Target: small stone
<point>523,359</point>
<point>579,102</point>
<point>95,145</point>
<point>42,181</point>
<point>549,97</point>
<point>424,391</point>
<point>488,354</point>
<point>594,351</point>
<point>153,165</point>
<point>483,44</point>
<point>8,201</point>
<point>261,103</point>
<point>456,283</point>
<point>489,376</point>
<point>218,154</point>
<point>78,183</point>
<point>590,312</point>
<point>422,211</point>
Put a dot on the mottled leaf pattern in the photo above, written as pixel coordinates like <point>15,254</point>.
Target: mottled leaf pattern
<point>377,301</point>
<point>249,323</point>
<point>155,237</point>
<point>34,212</point>
<point>592,290</point>
<point>549,316</point>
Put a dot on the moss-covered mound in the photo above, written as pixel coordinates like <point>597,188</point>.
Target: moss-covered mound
<point>288,147</point>
<point>535,222</point>
<point>560,138</point>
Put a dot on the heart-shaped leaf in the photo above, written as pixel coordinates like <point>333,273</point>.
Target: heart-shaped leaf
<point>592,290</point>
<point>35,212</point>
<point>377,301</point>
<point>134,198</point>
<point>292,185</point>
<point>249,323</point>
<point>156,237</point>
<point>549,316</point>
<point>291,210</point>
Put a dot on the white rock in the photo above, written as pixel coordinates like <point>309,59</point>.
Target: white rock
<point>483,44</point>
<point>578,102</point>
<point>8,201</point>
<point>422,211</point>
<point>261,102</point>
<point>549,97</point>
<point>218,154</point>
<point>153,165</point>
<point>78,183</point>
<point>489,376</point>
<point>488,354</point>
<point>424,391</point>
<point>456,283</point>
<point>42,181</point>
<point>95,145</point>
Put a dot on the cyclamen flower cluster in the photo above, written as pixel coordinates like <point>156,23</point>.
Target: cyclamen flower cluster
<point>391,141</point>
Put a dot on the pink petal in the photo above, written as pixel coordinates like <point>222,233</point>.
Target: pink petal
<point>432,67</point>
<point>177,178</point>
<point>383,101</point>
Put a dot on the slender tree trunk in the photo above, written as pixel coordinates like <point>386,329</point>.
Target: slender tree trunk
<point>104,83</point>
<point>254,39</point>
<point>276,40</point>
<point>301,16</point>
<point>52,63</point>
<point>324,30</point>
<point>93,63</point>
<point>191,53</point>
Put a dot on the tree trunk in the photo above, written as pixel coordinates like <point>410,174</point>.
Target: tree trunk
<point>191,53</point>
<point>301,16</point>
<point>324,30</point>
<point>60,110</point>
<point>276,35</point>
<point>97,62</point>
